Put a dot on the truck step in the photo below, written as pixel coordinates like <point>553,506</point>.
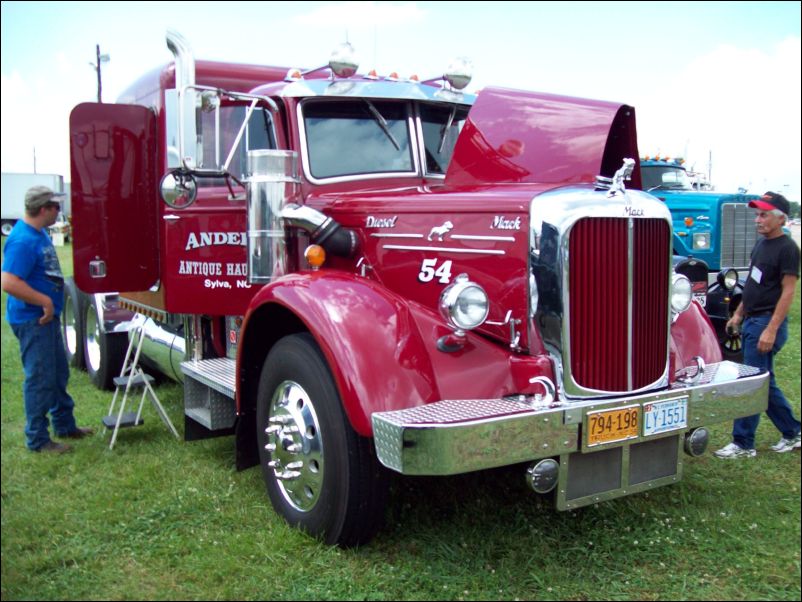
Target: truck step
<point>209,392</point>
<point>218,374</point>
<point>128,419</point>
<point>138,381</point>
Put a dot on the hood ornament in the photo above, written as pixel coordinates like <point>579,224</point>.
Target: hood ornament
<point>615,185</point>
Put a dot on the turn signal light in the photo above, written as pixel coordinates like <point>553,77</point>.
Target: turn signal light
<point>689,221</point>
<point>315,256</point>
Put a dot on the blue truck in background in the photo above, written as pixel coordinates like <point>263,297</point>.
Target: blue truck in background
<point>717,228</point>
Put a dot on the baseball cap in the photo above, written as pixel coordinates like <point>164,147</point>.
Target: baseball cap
<point>39,196</point>
<point>770,201</point>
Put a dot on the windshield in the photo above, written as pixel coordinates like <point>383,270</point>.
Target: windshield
<point>441,126</point>
<point>346,138</point>
<point>665,177</point>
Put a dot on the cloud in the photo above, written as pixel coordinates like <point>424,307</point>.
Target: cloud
<point>739,105</point>
<point>362,15</point>
<point>34,117</point>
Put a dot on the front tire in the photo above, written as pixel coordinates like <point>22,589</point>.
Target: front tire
<point>104,353</point>
<point>321,476</point>
<point>72,330</point>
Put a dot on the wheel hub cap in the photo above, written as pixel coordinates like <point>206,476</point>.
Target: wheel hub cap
<point>295,446</point>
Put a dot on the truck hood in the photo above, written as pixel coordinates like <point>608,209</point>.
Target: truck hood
<point>516,136</point>
<point>699,201</point>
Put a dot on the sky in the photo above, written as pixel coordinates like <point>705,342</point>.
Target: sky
<point>717,83</point>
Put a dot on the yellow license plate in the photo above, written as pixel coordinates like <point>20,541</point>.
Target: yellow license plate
<point>609,426</point>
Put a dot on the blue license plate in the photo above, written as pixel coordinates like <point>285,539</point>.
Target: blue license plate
<point>665,416</point>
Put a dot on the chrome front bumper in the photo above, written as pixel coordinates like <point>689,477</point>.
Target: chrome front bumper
<point>457,436</point>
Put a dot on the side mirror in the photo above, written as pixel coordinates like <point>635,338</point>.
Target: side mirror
<point>178,189</point>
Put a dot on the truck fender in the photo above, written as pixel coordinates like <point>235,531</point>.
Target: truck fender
<point>692,335</point>
<point>367,334</point>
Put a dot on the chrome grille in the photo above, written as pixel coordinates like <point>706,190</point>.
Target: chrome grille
<point>738,235</point>
<point>618,283</point>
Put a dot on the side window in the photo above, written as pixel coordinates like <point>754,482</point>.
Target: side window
<point>216,140</point>
<point>441,126</point>
<point>346,138</point>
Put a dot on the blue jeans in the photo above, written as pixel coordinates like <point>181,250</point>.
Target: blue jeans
<point>779,410</point>
<point>46,373</point>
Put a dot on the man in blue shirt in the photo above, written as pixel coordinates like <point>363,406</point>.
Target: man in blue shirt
<point>32,277</point>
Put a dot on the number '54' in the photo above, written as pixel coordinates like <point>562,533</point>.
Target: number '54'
<point>429,271</point>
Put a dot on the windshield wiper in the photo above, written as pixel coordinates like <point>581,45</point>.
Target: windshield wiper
<point>382,124</point>
<point>445,129</point>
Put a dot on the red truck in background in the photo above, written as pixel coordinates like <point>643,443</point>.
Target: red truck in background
<point>360,274</point>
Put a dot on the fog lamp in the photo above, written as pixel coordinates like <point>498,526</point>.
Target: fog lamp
<point>727,279</point>
<point>542,476</point>
<point>464,304</point>
<point>696,441</point>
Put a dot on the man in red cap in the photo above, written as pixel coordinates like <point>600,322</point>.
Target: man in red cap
<point>767,297</point>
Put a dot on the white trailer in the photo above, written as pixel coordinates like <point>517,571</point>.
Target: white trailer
<point>13,194</point>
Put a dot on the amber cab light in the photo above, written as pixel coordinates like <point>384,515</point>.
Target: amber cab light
<point>315,256</point>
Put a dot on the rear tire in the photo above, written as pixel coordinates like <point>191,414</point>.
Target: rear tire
<point>104,353</point>
<point>321,476</point>
<point>72,330</point>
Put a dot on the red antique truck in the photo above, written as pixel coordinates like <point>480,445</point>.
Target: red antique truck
<point>357,273</point>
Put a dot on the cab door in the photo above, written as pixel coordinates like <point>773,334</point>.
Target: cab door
<point>114,171</point>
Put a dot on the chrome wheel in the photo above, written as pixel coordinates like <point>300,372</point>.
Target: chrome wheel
<point>295,445</point>
<point>92,339</point>
<point>70,326</point>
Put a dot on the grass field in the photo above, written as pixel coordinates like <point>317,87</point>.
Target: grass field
<point>161,519</point>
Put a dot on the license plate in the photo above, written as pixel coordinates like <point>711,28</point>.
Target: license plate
<point>609,426</point>
<point>664,416</point>
<point>700,292</point>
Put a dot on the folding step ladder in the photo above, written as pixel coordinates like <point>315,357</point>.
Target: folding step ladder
<point>132,376</point>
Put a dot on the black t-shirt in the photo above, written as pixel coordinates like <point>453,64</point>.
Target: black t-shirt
<point>772,258</point>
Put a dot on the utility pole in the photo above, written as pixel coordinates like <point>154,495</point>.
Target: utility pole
<point>101,58</point>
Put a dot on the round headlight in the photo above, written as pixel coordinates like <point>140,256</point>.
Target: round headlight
<point>727,279</point>
<point>464,304</point>
<point>681,293</point>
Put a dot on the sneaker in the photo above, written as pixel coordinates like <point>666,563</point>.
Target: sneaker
<point>786,445</point>
<point>53,447</point>
<point>79,433</point>
<point>735,451</point>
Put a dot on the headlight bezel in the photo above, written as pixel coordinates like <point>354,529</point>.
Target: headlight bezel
<point>728,278</point>
<point>453,300</point>
<point>680,281</point>
<point>701,241</point>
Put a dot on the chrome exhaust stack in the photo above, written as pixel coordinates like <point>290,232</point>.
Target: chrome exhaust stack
<point>272,182</point>
<point>187,99</point>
